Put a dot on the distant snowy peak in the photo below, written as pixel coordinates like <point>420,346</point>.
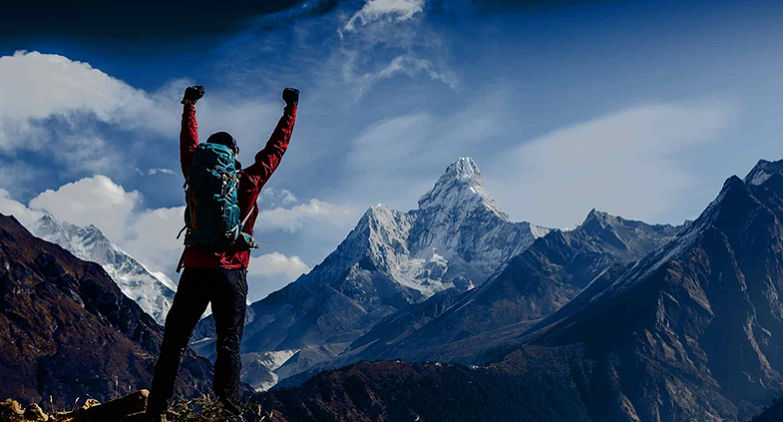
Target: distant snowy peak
<point>535,230</point>
<point>762,171</point>
<point>154,292</point>
<point>457,236</point>
<point>598,221</point>
<point>461,186</point>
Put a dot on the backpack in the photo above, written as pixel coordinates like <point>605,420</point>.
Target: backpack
<point>212,215</point>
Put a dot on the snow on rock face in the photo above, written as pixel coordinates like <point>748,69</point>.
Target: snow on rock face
<point>762,171</point>
<point>460,186</point>
<point>258,368</point>
<point>154,292</point>
<point>457,237</point>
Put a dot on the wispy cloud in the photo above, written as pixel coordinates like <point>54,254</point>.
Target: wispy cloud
<point>625,163</point>
<point>384,10</point>
<point>407,65</point>
<point>405,154</point>
<point>276,263</point>
<point>81,121</point>
<point>294,218</point>
<point>275,198</point>
<point>383,40</point>
<point>155,171</point>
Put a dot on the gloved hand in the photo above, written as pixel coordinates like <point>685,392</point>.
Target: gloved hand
<point>291,96</point>
<point>193,94</point>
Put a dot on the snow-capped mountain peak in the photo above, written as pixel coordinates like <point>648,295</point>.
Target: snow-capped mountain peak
<point>154,292</point>
<point>457,236</point>
<point>461,186</point>
<point>465,170</point>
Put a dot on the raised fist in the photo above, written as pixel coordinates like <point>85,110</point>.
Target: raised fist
<point>291,96</point>
<point>193,94</point>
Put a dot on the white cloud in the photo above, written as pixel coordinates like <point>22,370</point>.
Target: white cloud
<point>276,263</point>
<point>294,218</point>
<point>25,215</point>
<point>36,86</point>
<point>61,109</point>
<point>384,10</point>
<point>274,198</point>
<point>93,200</point>
<point>150,234</point>
<point>624,163</point>
<point>147,234</point>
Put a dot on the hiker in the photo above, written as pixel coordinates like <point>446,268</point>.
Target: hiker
<point>218,242</point>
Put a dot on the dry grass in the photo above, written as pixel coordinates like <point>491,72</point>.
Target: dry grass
<point>207,410</point>
<point>183,410</point>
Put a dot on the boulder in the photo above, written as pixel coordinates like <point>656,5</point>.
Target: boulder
<point>114,410</point>
<point>34,412</point>
<point>11,411</point>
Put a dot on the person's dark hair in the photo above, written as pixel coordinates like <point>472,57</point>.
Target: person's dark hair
<point>224,138</point>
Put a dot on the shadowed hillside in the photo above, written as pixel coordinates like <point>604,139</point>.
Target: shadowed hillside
<point>66,330</point>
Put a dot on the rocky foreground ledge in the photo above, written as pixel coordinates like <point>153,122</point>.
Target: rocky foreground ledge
<point>90,411</point>
<point>129,408</point>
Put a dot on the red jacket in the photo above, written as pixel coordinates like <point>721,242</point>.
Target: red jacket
<point>251,180</point>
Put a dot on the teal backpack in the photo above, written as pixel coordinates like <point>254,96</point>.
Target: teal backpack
<point>212,215</point>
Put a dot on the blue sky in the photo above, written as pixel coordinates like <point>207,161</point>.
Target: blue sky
<point>640,109</point>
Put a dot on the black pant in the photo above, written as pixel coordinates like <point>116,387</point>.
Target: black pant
<point>227,290</point>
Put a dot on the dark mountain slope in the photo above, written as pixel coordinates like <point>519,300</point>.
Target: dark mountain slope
<point>66,330</point>
<point>699,321</point>
<point>401,391</point>
<point>773,413</point>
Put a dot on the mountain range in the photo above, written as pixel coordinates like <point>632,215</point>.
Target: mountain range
<point>531,286</point>
<point>456,239</point>
<point>68,331</point>
<point>689,331</point>
<point>446,312</point>
<point>460,325</point>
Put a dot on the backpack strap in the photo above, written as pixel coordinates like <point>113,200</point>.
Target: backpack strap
<point>181,262</point>
<point>244,220</point>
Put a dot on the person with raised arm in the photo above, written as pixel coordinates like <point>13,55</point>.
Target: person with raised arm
<point>220,213</point>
